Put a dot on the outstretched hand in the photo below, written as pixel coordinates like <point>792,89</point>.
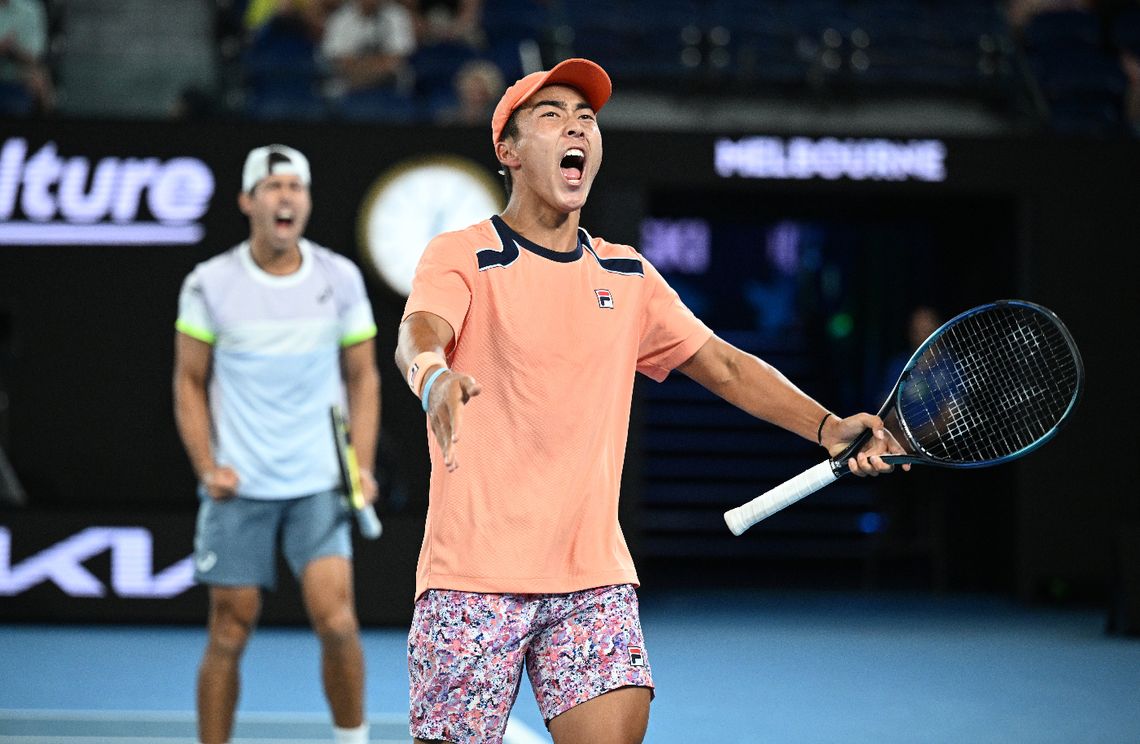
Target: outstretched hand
<point>446,401</point>
<point>838,434</point>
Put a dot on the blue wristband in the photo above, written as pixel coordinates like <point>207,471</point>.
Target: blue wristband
<point>428,384</point>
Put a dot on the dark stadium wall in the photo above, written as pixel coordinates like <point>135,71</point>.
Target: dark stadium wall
<point>86,330</point>
<point>1077,501</point>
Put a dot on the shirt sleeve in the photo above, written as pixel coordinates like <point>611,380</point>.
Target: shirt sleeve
<point>357,322</point>
<point>443,281</point>
<point>193,313</point>
<point>670,333</point>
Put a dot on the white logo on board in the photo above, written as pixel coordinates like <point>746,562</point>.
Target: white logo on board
<point>132,565</point>
<point>51,199</point>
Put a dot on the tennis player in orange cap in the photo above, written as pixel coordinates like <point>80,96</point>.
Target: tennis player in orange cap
<point>521,337</point>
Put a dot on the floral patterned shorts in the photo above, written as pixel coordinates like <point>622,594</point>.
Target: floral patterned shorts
<point>466,652</point>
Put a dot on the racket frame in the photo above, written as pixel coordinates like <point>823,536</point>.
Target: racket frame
<point>894,399</point>
<point>366,518</point>
<point>744,516</point>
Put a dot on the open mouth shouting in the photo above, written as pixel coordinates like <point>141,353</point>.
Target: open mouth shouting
<point>284,218</point>
<point>573,166</point>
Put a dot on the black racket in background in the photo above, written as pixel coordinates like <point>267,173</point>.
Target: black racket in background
<point>366,518</point>
<point>991,385</point>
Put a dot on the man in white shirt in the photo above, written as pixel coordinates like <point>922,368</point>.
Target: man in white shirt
<point>368,43</point>
<point>271,334</point>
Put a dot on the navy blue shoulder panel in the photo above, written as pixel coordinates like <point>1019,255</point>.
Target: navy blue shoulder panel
<point>489,258</point>
<point>627,266</point>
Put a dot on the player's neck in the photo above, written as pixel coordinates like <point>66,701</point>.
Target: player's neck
<point>549,228</point>
<point>274,260</point>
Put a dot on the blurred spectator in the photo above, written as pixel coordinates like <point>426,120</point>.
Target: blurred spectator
<point>1131,64</point>
<point>281,69</point>
<point>367,44</point>
<point>904,528</point>
<point>194,104</point>
<point>450,22</point>
<point>25,84</point>
<point>1019,12</point>
<point>310,14</point>
<point>478,86</point>
<point>922,321</point>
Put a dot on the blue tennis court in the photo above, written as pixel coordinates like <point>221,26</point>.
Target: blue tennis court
<point>731,665</point>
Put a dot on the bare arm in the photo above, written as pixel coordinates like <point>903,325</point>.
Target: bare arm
<point>760,389</point>
<point>362,385</point>
<point>192,414</point>
<point>421,332</point>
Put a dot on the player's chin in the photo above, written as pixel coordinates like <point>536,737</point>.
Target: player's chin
<point>573,194</point>
<point>572,202</point>
<point>291,231</point>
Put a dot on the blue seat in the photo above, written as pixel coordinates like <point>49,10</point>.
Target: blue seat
<point>1062,29</point>
<point>281,46</point>
<point>15,100</point>
<point>282,74</point>
<point>1084,88</point>
<point>1126,30</point>
<point>516,20</point>
<point>640,45</point>
<point>1087,115</point>
<point>378,104</point>
<point>505,53</point>
<point>269,102</point>
<point>435,67</point>
<point>1068,72</point>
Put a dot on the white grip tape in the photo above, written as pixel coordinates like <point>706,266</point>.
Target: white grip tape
<point>369,523</point>
<point>785,494</point>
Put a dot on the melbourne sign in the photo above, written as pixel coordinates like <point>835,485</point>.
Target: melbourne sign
<point>830,159</point>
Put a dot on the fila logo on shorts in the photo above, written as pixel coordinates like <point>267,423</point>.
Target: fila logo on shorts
<point>605,299</point>
<point>636,656</point>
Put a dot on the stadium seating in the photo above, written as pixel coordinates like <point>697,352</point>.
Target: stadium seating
<point>1061,70</point>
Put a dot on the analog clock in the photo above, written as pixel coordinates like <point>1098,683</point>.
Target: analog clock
<point>416,200</point>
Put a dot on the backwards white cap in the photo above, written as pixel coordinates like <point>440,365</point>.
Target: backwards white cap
<point>263,162</point>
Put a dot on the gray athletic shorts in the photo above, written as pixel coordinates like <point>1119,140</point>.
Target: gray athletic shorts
<point>235,543</point>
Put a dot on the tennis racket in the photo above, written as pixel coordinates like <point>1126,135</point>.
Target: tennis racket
<point>366,518</point>
<point>989,386</point>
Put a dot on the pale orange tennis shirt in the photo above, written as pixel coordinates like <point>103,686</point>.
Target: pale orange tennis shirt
<point>554,339</point>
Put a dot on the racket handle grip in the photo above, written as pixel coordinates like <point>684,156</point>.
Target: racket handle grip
<point>785,494</point>
<point>368,522</point>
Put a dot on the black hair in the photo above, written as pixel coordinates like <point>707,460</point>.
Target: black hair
<point>510,131</point>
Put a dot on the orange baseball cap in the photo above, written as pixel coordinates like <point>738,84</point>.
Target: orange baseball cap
<point>588,77</point>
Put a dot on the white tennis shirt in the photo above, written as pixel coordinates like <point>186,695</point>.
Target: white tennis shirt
<point>276,363</point>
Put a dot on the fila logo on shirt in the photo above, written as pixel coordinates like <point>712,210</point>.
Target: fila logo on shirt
<point>605,299</point>
<point>636,656</point>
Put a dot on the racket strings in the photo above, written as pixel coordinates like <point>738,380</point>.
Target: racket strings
<point>989,386</point>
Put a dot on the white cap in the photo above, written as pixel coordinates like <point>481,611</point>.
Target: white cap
<point>273,160</point>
